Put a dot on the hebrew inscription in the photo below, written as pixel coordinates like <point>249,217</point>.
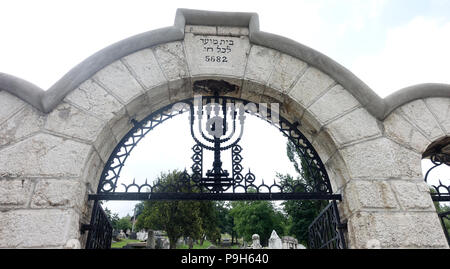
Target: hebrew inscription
<point>216,54</point>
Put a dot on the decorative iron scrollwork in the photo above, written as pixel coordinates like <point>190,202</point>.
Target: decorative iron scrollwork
<point>441,192</point>
<point>229,185</point>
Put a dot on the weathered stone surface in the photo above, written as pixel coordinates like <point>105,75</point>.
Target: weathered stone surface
<point>43,155</point>
<point>8,105</point>
<point>15,193</point>
<point>396,230</point>
<point>93,98</point>
<point>51,193</point>
<point>24,123</point>
<point>310,86</point>
<point>252,91</point>
<point>69,120</point>
<point>232,31</point>
<point>356,125</point>
<point>285,73</point>
<point>45,228</point>
<point>260,64</point>
<point>413,195</point>
<point>417,113</point>
<point>159,97</point>
<point>440,107</point>
<point>92,171</point>
<point>172,61</point>
<point>400,130</point>
<point>333,103</point>
<point>381,158</point>
<point>337,172</point>
<point>201,29</point>
<point>362,194</point>
<point>324,146</point>
<point>105,143</point>
<point>216,55</point>
<point>179,90</point>
<point>117,79</point>
<point>145,68</point>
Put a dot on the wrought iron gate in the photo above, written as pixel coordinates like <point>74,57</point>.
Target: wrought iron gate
<point>224,117</point>
<point>100,229</point>
<point>440,193</point>
<point>327,231</point>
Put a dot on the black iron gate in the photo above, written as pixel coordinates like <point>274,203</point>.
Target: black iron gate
<point>224,117</point>
<point>100,229</point>
<point>440,192</point>
<point>327,231</point>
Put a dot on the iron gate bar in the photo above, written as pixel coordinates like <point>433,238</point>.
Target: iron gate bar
<point>130,196</point>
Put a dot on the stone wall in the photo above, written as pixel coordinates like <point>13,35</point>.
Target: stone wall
<point>51,161</point>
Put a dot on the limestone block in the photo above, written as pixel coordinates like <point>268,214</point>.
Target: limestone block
<point>145,68</point>
<point>337,172</point>
<point>333,103</point>
<point>381,158</point>
<point>400,130</point>
<point>356,125</point>
<point>260,64</point>
<point>200,29</point>
<point>8,105</point>
<point>46,228</point>
<point>15,193</point>
<point>91,175</point>
<point>24,123</point>
<point>44,155</point>
<point>418,113</point>
<point>51,193</point>
<point>179,90</point>
<point>69,120</point>
<point>138,108</point>
<point>362,194</point>
<point>413,195</point>
<point>216,55</point>
<point>396,230</point>
<point>310,86</point>
<point>117,79</point>
<point>159,97</point>
<point>324,146</point>
<point>285,73</point>
<point>440,107</point>
<point>105,142</point>
<point>252,91</point>
<point>310,127</point>
<point>172,61</point>
<point>93,98</point>
<point>232,31</point>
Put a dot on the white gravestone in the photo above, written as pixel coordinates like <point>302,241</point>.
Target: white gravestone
<point>256,244</point>
<point>275,241</point>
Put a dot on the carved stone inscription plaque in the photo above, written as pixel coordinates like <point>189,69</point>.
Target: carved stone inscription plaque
<point>209,55</point>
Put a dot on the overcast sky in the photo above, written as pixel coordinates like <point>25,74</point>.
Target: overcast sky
<point>389,44</point>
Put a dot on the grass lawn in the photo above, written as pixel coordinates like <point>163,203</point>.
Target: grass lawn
<point>123,242</point>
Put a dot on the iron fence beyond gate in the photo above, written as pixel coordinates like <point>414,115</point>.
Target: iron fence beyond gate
<point>327,231</point>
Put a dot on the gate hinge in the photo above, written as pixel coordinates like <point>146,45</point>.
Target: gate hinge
<point>85,227</point>
<point>342,226</point>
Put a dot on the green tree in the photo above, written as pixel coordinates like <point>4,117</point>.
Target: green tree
<point>194,219</point>
<point>301,213</point>
<point>113,218</point>
<point>124,224</point>
<point>225,220</point>
<point>256,217</point>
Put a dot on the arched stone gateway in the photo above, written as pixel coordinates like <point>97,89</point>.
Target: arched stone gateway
<point>54,144</point>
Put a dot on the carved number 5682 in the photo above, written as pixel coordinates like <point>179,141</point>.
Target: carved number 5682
<point>217,59</point>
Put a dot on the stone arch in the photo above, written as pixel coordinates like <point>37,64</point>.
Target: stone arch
<point>54,143</point>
